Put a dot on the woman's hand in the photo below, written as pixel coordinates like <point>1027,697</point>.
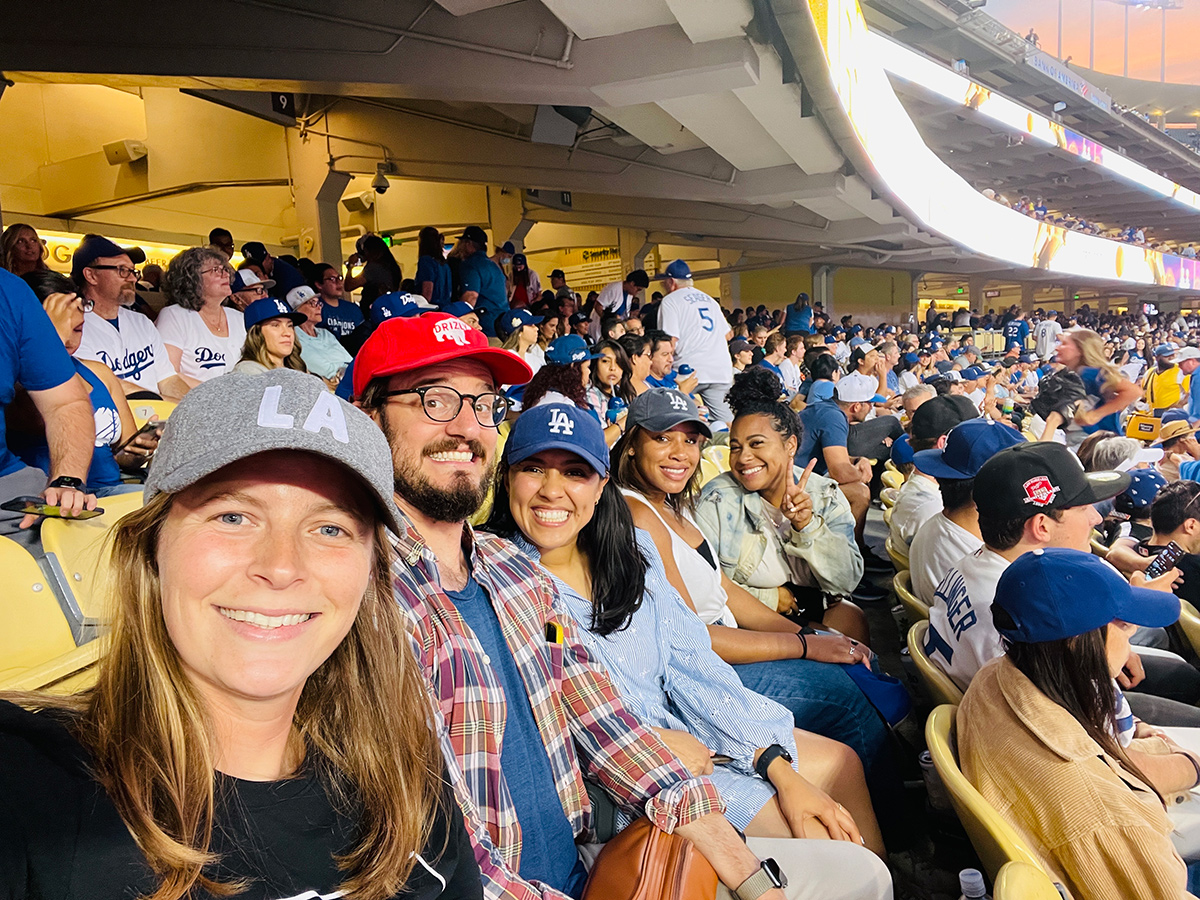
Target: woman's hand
<point>1085,417</point>
<point>800,801</point>
<point>695,757</point>
<point>797,502</point>
<point>836,648</point>
<point>59,308</point>
<point>138,451</point>
<point>786,604</point>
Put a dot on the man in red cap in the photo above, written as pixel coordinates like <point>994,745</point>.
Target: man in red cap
<point>519,696</point>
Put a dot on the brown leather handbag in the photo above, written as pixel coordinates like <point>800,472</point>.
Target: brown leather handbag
<point>643,863</point>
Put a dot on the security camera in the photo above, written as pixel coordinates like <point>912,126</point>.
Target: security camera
<point>379,183</point>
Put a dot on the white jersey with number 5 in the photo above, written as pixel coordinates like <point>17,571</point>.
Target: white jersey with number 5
<point>696,320</point>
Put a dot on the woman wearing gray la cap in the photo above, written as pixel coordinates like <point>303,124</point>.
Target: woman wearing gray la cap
<point>258,723</point>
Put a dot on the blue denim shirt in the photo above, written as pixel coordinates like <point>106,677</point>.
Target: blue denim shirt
<point>736,524</point>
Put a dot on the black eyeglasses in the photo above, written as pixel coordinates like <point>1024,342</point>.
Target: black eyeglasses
<point>123,271</point>
<point>443,404</point>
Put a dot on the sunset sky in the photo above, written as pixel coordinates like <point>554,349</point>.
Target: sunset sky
<point>1145,34</point>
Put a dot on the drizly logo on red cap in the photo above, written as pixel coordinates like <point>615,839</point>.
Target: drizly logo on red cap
<point>451,330</point>
<point>1040,491</point>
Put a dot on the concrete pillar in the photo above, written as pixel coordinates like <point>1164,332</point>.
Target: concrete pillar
<point>1027,296</point>
<point>632,244</point>
<point>731,287</point>
<point>914,312</point>
<point>975,286</point>
<point>823,288</point>
<point>506,212</point>
<point>318,188</point>
<point>1102,305</point>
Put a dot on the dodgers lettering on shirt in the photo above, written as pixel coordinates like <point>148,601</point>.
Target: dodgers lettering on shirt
<point>133,348</point>
<point>204,355</point>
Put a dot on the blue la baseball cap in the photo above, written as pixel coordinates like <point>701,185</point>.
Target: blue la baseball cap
<point>1144,485</point>
<point>568,349</point>
<point>831,339</point>
<point>1055,593</point>
<point>270,308</point>
<point>459,308</point>
<point>677,269</point>
<point>519,318</point>
<point>902,451</point>
<point>968,446</point>
<point>1164,350</point>
<point>396,305</point>
<point>558,426</point>
<point>935,346</point>
<point>1174,415</point>
<point>973,373</point>
<point>911,358</point>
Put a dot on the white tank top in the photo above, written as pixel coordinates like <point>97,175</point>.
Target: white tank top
<point>702,581</point>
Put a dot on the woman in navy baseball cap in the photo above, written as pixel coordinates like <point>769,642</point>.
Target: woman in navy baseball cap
<point>1048,739</point>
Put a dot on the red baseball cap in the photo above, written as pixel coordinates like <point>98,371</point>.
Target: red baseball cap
<point>404,344</point>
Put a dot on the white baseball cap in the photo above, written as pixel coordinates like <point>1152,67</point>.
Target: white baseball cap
<point>1187,353</point>
<point>858,388</point>
<point>298,296</point>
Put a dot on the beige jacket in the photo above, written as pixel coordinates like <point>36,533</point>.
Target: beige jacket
<point>1098,830</point>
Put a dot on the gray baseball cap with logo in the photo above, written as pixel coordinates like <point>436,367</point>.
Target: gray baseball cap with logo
<point>661,409</point>
<point>237,416</point>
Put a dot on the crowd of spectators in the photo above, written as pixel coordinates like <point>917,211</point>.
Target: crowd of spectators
<point>605,632</point>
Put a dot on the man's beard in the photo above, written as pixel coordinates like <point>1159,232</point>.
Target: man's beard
<point>441,504</point>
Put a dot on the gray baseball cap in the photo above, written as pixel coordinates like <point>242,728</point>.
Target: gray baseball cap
<point>660,409</point>
<point>235,416</point>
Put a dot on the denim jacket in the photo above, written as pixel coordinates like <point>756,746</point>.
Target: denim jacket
<point>734,521</point>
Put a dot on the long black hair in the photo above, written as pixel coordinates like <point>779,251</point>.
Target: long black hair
<point>756,392</point>
<point>608,543</point>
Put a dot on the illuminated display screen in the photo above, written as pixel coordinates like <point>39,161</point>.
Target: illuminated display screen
<point>942,200</point>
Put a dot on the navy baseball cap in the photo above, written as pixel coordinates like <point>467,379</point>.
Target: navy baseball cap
<point>270,308</point>
<point>458,308</point>
<point>568,349</point>
<point>660,409</point>
<point>508,247</point>
<point>1056,593</point>
<point>94,247</point>
<point>968,446</point>
<point>677,269</point>
<point>831,339</point>
<point>944,365</point>
<point>392,306</point>
<point>1174,415</point>
<point>902,451</point>
<point>973,373</point>
<point>738,345</point>
<point>558,426</point>
<point>255,252</point>
<point>578,318</point>
<point>519,318</point>
<point>1144,485</point>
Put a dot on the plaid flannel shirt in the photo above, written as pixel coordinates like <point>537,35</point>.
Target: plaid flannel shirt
<point>579,714</point>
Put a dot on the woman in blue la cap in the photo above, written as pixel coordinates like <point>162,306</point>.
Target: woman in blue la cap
<point>270,338</point>
<point>555,499</point>
<point>521,326</point>
<point>1047,738</point>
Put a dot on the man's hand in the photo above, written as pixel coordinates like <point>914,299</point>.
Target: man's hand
<point>688,384</point>
<point>1133,674</point>
<point>725,851</point>
<point>1167,581</point>
<point>694,755</point>
<point>864,469</point>
<point>69,501</point>
<point>797,502</point>
<point>801,802</point>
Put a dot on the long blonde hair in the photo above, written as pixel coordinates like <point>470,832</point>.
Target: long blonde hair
<point>149,733</point>
<point>1092,355</point>
<point>255,350</point>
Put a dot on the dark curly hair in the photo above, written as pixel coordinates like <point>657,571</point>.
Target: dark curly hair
<point>566,380</point>
<point>182,283</point>
<point>756,392</point>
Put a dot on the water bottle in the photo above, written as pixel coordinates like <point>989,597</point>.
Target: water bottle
<point>970,881</point>
<point>616,406</point>
<point>685,370</point>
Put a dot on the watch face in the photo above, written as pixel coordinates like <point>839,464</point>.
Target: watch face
<point>778,878</point>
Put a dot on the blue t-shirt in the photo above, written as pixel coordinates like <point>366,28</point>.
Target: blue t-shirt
<point>429,269</point>
<point>771,367</point>
<point>798,321</point>
<point>823,425</point>
<point>893,381</point>
<point>548,851</point>
<point>1091,385</point>
<point>1193,408</point>
<point>667,381</point>
<point>1015,332</point>
<point>31,353</point>
<point>484,277</point>
<point>341,319</point>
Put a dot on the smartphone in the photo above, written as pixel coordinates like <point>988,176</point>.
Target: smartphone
<point>145,429</point>
<point>1164,562</point>
<point>36,506</point>
<point>720,759</point>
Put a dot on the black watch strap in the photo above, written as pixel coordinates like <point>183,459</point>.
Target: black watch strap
<point>767,757</point>
<point>67,481</point>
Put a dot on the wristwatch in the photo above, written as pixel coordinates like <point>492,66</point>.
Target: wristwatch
<point>767,757</point>
<point>67,481</point>
<point>768,877</point>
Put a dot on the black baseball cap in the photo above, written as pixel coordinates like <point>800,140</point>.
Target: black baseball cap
<point>475,235</point>
<point>94,247</point>
<point>1039,477</point>
<point>255,252</point>
<point>938,416</point>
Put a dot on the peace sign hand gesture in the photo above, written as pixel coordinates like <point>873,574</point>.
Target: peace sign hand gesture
<point>797,502</point>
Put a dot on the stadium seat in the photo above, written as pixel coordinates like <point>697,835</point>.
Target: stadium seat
<point>899,560</point>
<point>888,496</point>
<point>1021,881</point>
<point>719,454</point>
<point>1189,624</point>
<point>993,838</point>
<point>73,552</point>
<point>484,512</point>
<point>1096,545</point>
<point>917,608</point>
<point>69,673</point>
<point>708,470</point>
<point>890,466</point>
<point>33,628</point>
<point>892,479</point>
<point>144,409</point>
<point>940,686</point>
<point>887,516</point>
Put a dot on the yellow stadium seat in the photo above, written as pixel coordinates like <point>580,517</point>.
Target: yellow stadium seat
<point>887,516</point>
<point>892,479</point>
<point>1189,624</point>
<point>719,454</point>
<point>485,510</point>
<point>941,687</point>
<point>143,409</point>
<point>890,466</point>
<point>899,560</point>
<point>73,671</point>
<point>993,838</point>
<point>888,497</point>
<point>73,550</point>
<point>1021,881</point>
<point>917,608</point>
<point>33,627</point>
<point>1029,436</point>
<point>708,470</point>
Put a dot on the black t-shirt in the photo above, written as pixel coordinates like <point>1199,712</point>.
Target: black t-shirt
<point>1189,565</point>
<point>62,838</point>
